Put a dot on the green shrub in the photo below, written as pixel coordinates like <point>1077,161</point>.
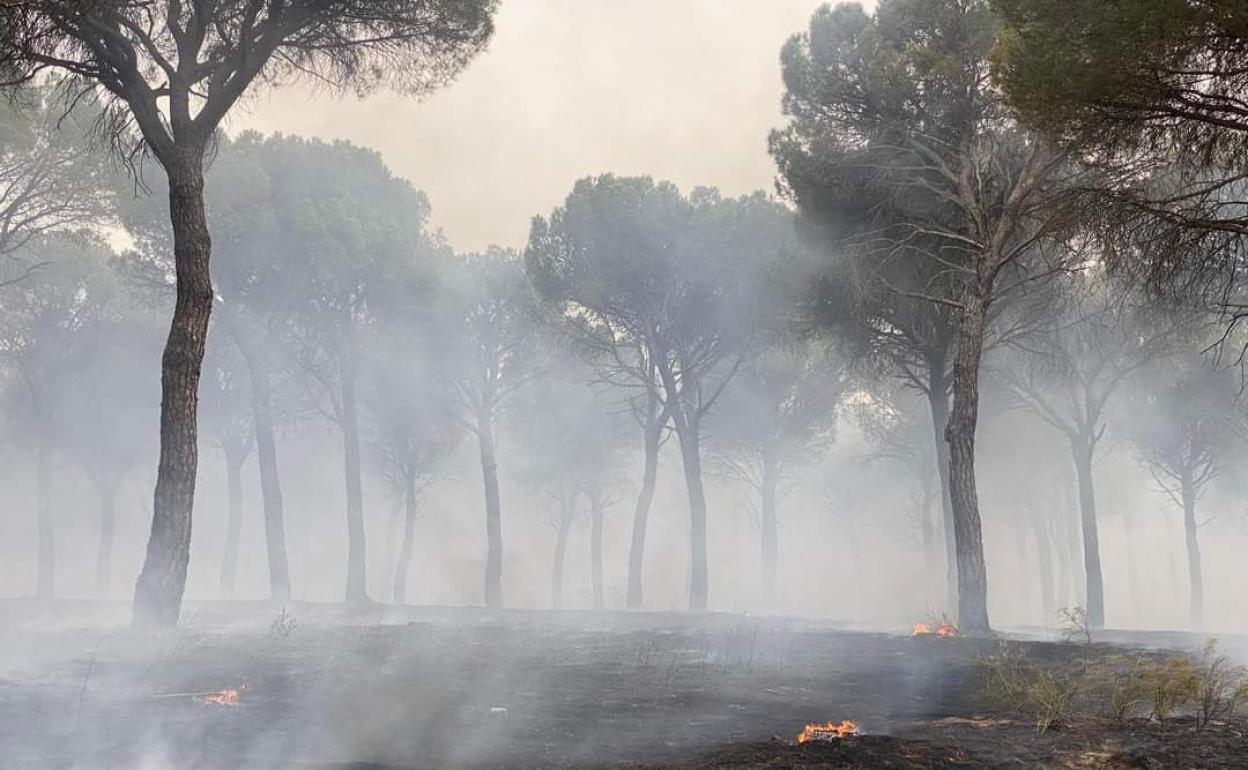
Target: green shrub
<point>1207,687</point>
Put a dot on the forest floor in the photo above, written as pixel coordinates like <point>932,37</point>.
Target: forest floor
<point>394,688</point>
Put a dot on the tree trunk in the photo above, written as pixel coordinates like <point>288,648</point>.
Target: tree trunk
<point>938,404</point>
<point>1071,542</point>
<point>1194,574</point>
<point>596,514</point>
<point>691,457</point>
<point>158,593</point>
<point>1081,449</point>
<point>493,510</point>
<point>963,495</point>
<point>770,529</point>
<point>409,536</point>
<point>1044,557</point>
<point>108,528</point>
<point>357,579</point>
<point>641,515</point>
<point>234,459</point>
<point>556,574</point>
<point>45,587</point>
<point>688,433</point>
<point>266,460</point>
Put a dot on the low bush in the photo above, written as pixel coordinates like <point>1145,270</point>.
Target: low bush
<point>1208,687</point>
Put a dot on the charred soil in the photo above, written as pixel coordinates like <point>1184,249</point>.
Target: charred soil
<point>401,688</point>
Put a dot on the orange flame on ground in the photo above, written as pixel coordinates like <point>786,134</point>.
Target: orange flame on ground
<point>827,732</point>
<point>225,697</point>
<point>944,630</point>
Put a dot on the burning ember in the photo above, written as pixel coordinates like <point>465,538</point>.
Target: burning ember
<point>224,697</point>
<point>827,732</point>
<point>944,630</point>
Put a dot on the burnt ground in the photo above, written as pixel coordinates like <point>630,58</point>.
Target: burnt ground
<point>387,688</point>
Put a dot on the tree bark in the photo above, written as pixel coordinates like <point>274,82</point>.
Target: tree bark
<point>641,515</point>
<point>108,528</point>
<point>235,457</point>
<point>963,495</point>
<point>1195,575</point>
<point>938,404</point>
<point>357,584</point>
<point>45,587</point>
<point>158,593</point>
<point>493,509</point>
<point>409,536</point>
<point>596,515</point>
<point>770,530</point>
<point>691,458</point>
<point>687,422</point>
<point>1082,450</point>
<point>266,460</point>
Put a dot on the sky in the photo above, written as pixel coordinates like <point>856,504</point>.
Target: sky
<point>683,90</point>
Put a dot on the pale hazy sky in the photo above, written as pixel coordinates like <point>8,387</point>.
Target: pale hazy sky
<point>684,90</point>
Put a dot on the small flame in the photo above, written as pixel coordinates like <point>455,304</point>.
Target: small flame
<point>225,697</point>
<point>944,630</point>
<point>827,732</point>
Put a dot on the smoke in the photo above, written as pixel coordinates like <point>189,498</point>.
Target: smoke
<point>685,91</point>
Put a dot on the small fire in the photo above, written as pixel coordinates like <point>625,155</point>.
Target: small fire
<point>943,630</point>
<point>827,732</point>
<point>224,697</point>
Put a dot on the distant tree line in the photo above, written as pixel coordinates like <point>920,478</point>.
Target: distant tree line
<point>987,203</point>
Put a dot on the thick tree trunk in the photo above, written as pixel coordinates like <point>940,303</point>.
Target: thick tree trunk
<point>158,593</point>
<point>938,404</point>
<point>960,433</point>
<point>108,528</point>
<point>235,457</point>
<point>357,582</point>
<point>596,515</point>
<point>1081,450</point>
<point>691,457</point>
<point>770,528</point>
<point>266,460</point>
<point>45,587</point>
<point>493,510</point>
<point>1195,575</point>
<point>409,536</point>
<point>1044,558</point>
<point>641,515</point>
